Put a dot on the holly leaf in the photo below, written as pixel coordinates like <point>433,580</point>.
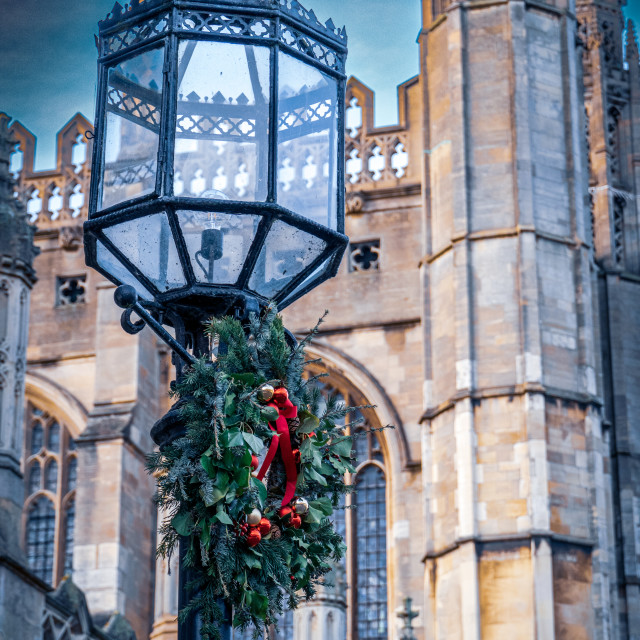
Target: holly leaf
<point>314,475</point>
<point>182,523</point>
<point>308,422</point>
<point>322,504</point>
<point>262,490</point>
<point>269,414</point>
<point>255,444</point>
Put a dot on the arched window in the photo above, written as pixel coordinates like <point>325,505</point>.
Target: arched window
<point>50,478</point>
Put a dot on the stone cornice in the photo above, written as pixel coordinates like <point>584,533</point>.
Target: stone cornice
<point>509,391</point>
<point>17,268</point>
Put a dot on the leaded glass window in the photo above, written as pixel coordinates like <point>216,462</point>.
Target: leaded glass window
<point>50,479</point>
<point>369,538</point>
<point>70,522</point>
<point>34,477</point>
<point>41,531</point>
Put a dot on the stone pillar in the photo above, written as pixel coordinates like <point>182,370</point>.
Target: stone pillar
<point>20,600</point>
<point>115,531</point>
<point>165,610</point>
<point>324,617</point>
<point>516,456</point>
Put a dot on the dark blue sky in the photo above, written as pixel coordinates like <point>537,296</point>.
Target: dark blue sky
<point>48,69</point>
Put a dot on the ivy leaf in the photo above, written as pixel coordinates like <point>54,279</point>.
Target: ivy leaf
<point>207,465</point>
<point>242,477</point>
<point>221,516</point>
<point>231,492</point>
<point>254,443</point>
<point>269,414</point>
<point>230,404</point>
<point>322,504</point>
<point>262,490</point>
<point>245,459</point>
<point>233,438</point>
<point>206,532</point>
<point>182,523</point>
<point>222,481</point>
<point>251,561</point>
<point>247,379</point>
<point>343,447</point>
<point>232,421</point>
<point>258,604</point>
<point>308,422</point>
<point>313,515</point>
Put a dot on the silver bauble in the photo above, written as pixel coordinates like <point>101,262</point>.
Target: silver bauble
<point>254,517</point>
<point>301,506</point>
<point>265,392</point>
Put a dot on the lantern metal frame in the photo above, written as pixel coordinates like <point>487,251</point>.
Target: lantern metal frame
<point>280,25</point>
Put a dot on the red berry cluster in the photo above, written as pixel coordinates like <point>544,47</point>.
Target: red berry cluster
<point>290,517</point>
<point>253,534</point>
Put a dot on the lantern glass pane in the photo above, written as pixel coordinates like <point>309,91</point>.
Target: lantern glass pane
<point>287,251</point>
<point>133,114</point>
<point>222,125</point>
<point>307,141</point>
<point>148,244</point>
<point>107,261</point>
<point>317,273</point>
<point>218,243</point>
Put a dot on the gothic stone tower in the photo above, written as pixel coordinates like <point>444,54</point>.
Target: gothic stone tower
<point>612,104</point>
<point>515,461</point>
<point>17,277</point>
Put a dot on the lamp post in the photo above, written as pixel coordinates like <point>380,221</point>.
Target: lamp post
<point>218,165</point>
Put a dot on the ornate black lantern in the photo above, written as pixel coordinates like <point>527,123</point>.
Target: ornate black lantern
<point>217,177</point>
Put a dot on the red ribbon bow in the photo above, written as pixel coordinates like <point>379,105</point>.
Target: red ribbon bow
<point>282,438</point>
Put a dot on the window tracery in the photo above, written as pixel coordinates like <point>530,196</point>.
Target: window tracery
<point>50,479</point>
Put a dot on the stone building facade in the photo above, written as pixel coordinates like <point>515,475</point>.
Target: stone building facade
<point>488,305</point>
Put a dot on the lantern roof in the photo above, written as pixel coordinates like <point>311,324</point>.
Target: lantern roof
<point>137,9</point>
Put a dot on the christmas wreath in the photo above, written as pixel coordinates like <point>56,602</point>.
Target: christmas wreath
<point>252,484</point>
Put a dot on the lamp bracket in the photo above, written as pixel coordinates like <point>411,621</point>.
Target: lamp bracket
<point>126,298</point>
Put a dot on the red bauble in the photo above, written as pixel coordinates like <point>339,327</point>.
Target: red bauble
<point>254,462</point>
<point>280,396</point>
<point>264,526</point>
<point>295,521</point>
<point>254,537</point>
<point>285,511</point>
